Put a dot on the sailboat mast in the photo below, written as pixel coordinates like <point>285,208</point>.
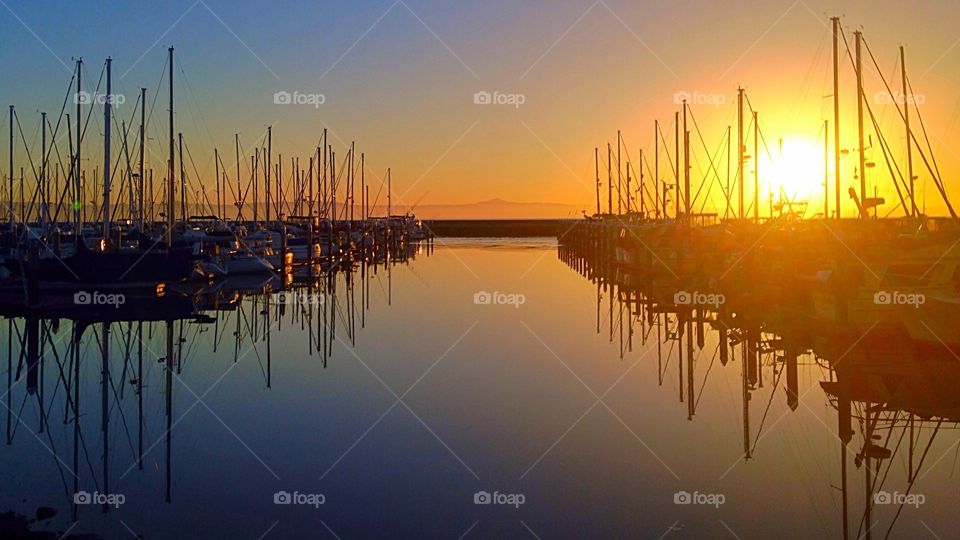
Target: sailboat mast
<point>826,169</point>
<point>656,169</point>
<point>106,156</point>
<point>170,175</point>
<point>609,182</point>
<point>863,162</point>
<point>676,164</point>
<point>236,146</point>
<point>740,150</point>
<point>596,170</point>
<point>687,203</point>
<point>43,213</point>
<point>642,206</point>
<point>12,220</point>
<point>183,181</point>
<point>216,169</point>
<point>267,169</point>
<point>325,172</point>
<point>619,177</point>
<point>143,120</point>
<point>836,110</point>
<point>756,169</point>
<point>906,120</point>
<point>77,187</point>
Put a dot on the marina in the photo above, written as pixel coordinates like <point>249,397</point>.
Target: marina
<point>409,271</point>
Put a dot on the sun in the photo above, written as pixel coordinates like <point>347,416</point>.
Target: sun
<point>795,167</point>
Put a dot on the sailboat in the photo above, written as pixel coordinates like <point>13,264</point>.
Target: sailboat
<point>109,265</point>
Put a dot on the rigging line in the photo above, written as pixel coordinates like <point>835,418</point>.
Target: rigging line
<point>96,91</point>
<point>703,181</point>
<point>807,83</point>
<point>706,150</point>
<point>196,105</point>
<point>203,191</point>
<point>903,432</point>
<point>124,175</point>
<point>937,179</point>
<point>223,168</point>
<point>884,146</point>
<point>118,408</point>
<point>703,387</point>
<point>666,150</point>
<point>910,484</point>
<point>773,394</point>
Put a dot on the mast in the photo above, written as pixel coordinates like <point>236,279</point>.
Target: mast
<point>687,203</point>
<point>12,220</point>
<point>596,170</point>
<point>656,169</point>
<point>619,176</point>
<point>363,183</point>
<point>740,149</point>
<point>325,172</point>
<point>77,206</point>
<point>826,169</point>
<point>106,157</point>
<point>389,193</point>
<point>756,169</point>
<point>676,164</point>
<point>906,120</point>
<point>170,176</point>
<point>44,213</point>
<point>609,182</point>
<point>255,165</point>
<point>836,110</point>
<point>642,206</point>
<point>216,168</point>
<point>863,162</point>
<point>183,181</point>
<point>267,169</point>
<point>236,145</point>
<point>143,120</point>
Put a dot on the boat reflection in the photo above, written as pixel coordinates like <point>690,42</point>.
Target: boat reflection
<point>54,347</point>
<point>893,390</point>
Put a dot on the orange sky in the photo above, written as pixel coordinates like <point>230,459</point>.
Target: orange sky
<point>401,81</point>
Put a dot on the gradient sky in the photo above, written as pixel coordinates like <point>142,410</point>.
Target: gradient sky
<point>399,78</point>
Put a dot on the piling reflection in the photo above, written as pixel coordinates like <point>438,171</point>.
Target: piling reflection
<point>137,351</point>
<point>891,385</point>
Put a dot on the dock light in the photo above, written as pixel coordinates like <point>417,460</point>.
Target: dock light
<point>161,289</point>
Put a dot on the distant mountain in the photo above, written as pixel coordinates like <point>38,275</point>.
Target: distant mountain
<point>492,209</point>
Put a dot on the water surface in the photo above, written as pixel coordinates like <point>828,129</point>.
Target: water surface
<point>415,393</point>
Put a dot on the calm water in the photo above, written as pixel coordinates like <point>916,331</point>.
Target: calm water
<point>433,393</point>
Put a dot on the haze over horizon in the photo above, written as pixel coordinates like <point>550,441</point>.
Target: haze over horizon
<point>407,80</point>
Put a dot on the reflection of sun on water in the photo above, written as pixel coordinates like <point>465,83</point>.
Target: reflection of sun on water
<point>797,168</point>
